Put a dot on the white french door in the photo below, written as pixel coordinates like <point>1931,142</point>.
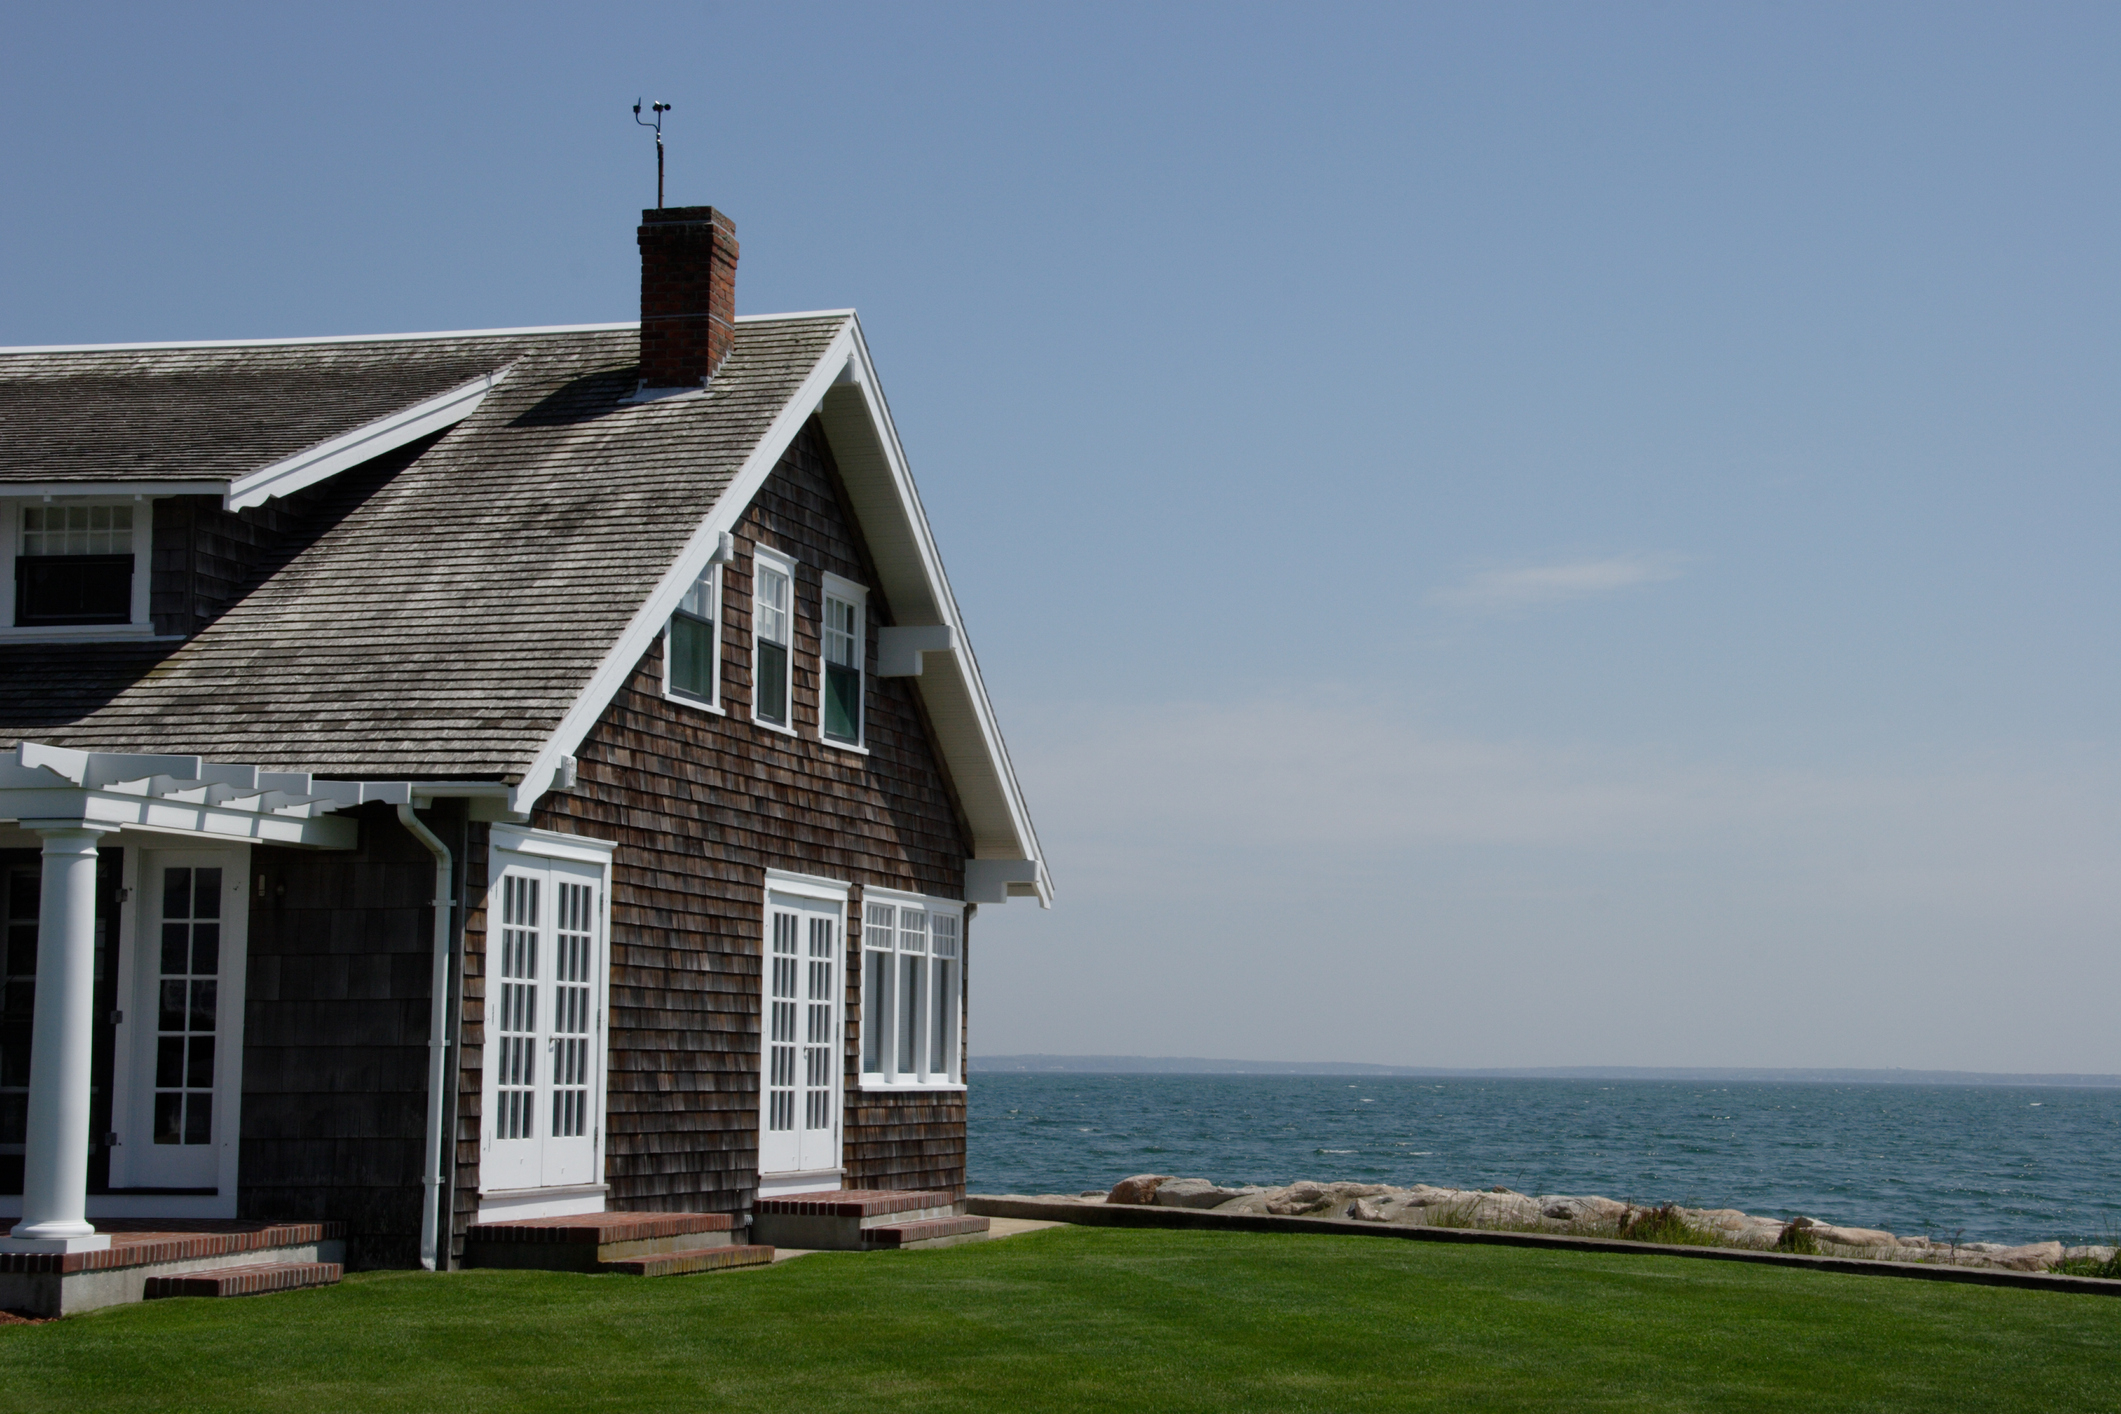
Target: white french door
<point>181,1048</point>
<point>799,1119</point>
<point>544,1062</point>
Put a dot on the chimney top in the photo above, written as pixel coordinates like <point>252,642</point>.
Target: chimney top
<point>688,294</point>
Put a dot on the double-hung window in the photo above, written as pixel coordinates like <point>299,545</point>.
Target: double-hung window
<point>913,983</point>
<point>692,655</point>
<point>77,565</point>
<point>841,646</point>
<point>773,637</point>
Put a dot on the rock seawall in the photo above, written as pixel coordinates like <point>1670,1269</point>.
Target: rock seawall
<point>1590,1215</point>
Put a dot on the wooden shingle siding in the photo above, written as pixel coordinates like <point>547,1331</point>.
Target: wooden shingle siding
<point>335,1037</point>
<point>701,806</point>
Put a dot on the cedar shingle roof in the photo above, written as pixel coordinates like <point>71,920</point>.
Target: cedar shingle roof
<point>446,623</point>
<point>211,413</point>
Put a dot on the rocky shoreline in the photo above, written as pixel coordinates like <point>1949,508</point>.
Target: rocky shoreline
<point>1505,1210</point>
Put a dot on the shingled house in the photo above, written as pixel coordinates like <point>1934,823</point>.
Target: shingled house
<point>464,783</point>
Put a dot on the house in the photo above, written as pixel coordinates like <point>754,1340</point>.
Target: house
<point>483,778</point>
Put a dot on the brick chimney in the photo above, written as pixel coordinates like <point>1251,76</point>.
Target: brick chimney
<point>688,294</point>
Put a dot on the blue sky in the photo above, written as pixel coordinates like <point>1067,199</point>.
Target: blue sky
<point>1500,535</point>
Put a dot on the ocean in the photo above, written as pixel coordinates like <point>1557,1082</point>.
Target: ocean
<point>1972,1163</point>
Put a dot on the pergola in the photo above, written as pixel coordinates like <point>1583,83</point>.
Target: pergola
<point>70,800</point>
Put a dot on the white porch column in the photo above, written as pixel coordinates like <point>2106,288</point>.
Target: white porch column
<point>55,1151</point>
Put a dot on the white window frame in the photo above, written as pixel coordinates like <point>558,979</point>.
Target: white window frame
<point>880,1019</point>
<point>835,892</point>
<point>712,577</point>
<point>847,591</point>
<point>498,1203</point>
<point>142,624</point>
<point>772,559</point>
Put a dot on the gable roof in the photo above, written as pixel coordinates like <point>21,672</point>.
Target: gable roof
<point>472,616</point>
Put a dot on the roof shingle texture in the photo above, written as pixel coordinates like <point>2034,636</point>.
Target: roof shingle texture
<point>211,414</point>
<point>444,626</point>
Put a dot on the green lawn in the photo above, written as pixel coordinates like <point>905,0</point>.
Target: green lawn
<point>1089,1319</point>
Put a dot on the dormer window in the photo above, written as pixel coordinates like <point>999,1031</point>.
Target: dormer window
<point>75,565</point>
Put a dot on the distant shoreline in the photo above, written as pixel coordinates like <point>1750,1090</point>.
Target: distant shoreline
<point>1196,1065</point>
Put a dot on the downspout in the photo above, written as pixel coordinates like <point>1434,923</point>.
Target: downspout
<point>437,1041</point>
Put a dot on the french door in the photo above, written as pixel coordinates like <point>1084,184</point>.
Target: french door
<point>799,1120</point>
<point>183,1025</point>
<point>544,1060</point>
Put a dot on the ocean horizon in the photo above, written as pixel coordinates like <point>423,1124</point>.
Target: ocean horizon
<point>2010,1162</point>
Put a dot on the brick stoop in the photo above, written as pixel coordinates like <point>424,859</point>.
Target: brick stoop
<point>836,1220</point>
<point>640,1244</point>
<point>256,1279</point>
<point>704,1259</point>
<point>144,1250</point>
<point>926,1232</point>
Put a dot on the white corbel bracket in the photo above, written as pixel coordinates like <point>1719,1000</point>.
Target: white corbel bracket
<point>991,880</point>
<point>899,649</point>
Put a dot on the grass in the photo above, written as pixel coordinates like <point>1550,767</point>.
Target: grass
<point>1088,1319</point>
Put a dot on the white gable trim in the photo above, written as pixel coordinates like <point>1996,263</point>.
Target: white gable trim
<point>843,389</point>
<point>328,459</point>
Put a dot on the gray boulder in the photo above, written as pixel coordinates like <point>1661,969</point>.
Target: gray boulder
<point>1195,1193</point>
<point>1138,1190</point>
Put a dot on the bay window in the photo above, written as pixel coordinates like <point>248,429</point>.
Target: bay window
<point>912,990</point>
<point>772,635</point>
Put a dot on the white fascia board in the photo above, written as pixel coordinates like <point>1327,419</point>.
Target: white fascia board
<point>327,459</point>
<point>648,621</point>
<point>871,390</point>
<point>110,490</point>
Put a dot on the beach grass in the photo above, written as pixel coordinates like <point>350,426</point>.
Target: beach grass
<point>1082,1318</point>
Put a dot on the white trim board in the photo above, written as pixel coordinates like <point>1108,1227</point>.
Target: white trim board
<point>551,844</point>
<point>349,449</point>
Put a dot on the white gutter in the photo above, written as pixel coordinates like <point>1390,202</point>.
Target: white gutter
<point>437,1043</point>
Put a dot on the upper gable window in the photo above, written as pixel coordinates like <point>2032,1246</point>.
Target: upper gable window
<point>773,635</point>
<point>76,565</point>
<point>846,609</point>
<point>692,656</point>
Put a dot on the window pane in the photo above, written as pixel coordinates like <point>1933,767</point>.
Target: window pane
<point>771,606</point>
<point>839,632</point>
<point>876,988</point>
<point>843,703</point>
<point>692,657</point>
<point>699,600</point>
<point>73,588</point>
<point>912,1009</point>
<point>770,695</point>
<point>942,1033</point>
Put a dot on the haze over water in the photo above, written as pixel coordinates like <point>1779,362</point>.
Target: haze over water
<point>1975,1163</point>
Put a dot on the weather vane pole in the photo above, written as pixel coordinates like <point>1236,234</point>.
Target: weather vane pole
<point>659,109</point>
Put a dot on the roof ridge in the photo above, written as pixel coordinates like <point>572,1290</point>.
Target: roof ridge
<point>287,342</point>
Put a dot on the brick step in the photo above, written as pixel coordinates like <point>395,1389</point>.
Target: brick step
<point>588,1242</point>
<point>925,1232</point>
<point>702,1259</point>
<point>253,1279</point>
